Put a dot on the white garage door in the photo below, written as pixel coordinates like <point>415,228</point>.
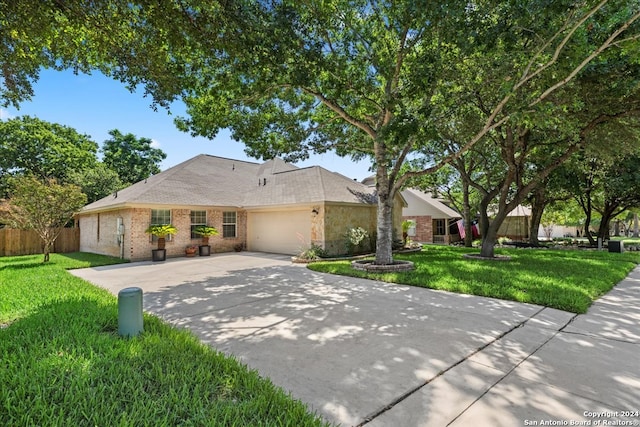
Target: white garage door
<point>286,232</point>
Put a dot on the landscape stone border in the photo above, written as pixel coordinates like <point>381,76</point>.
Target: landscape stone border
<point>298,260</point>
<point>487,258</point>
<point>371,267</point>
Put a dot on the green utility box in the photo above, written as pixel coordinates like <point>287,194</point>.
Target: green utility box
<point>130,322</point>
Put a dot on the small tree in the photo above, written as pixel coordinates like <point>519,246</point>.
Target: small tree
<point>43,206</point>
<point>354,238</point>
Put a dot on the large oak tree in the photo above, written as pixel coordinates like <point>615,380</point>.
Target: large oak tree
<point>368,79</point>
<point>46,150</point>
<point>132,158</point>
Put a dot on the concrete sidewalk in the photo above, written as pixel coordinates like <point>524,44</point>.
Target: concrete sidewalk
<point>361,352</point>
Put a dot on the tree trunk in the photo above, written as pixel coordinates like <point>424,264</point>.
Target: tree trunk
<point>587,226</point>
<point>603,230</point>
<point>534,226</point>
<point>636,228</point>
<point>384,244</point>
<point>46,250</point>
<point>605,221</point>
<point>489,243</point>
<point>466,216</point>
<point>537,209</point>
<point>490,227</point>
<point>490,238</point>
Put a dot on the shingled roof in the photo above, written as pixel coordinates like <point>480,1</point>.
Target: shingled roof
<point>207,180</point>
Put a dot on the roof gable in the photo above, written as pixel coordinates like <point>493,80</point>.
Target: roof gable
<point>427,205</point>
<point>207,180</point>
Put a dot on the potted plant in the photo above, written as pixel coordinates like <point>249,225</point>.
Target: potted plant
<point>406,225</point>
<point>206,232</point>
<point>190,250</point>
<point>161,232</point>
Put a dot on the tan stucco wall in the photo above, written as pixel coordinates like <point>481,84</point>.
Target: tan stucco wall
<point>334,220</point>
<point>339,218</point>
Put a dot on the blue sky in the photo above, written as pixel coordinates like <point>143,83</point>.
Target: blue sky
<point>94,104</point>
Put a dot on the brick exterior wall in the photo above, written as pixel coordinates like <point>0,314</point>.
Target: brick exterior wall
<point>98,233</point>
<point>424,228</point>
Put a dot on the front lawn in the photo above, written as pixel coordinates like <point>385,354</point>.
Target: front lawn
<point>564,279</point>
<point>63,363</point>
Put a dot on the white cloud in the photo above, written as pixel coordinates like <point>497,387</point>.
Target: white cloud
<point>155,143</point>
<point>4,115</point>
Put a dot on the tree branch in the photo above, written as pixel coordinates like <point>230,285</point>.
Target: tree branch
<point>332,105</point>
<point>605,45</point>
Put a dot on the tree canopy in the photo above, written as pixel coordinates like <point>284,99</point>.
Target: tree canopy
<point>43,206</point>
<point>97,182</point>
<point>132,158</point>
<point>46,150</point>
<point>366,79</point>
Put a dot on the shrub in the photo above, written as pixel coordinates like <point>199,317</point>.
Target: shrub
<point>504,240</point>
<point>354,238</point>
<point>313,253</point>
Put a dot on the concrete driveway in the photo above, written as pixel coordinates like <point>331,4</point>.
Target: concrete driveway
<point>365,352</point>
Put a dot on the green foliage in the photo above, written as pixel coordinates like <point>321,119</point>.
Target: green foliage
<point>387,81</point>
<point>354,238</point>
<point>315,252</point>
<point>45,207</point>
<point>206,231</point>
<point>64,363</point>
<point>563,279</point>
<point>97,182</point>
<point>131,158</point>
<point>30,146</point>
<point>161,230</point>
<point>504,240</point>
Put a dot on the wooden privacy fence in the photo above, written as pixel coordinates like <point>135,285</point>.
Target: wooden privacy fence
<point>27,242</point>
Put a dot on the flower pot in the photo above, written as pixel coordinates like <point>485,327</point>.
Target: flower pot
<point>205,250</point>
<point>158,254</point>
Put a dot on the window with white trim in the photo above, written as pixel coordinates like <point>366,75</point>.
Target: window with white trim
<point>229,224</point>
<point>198,219</point>
<point>160,217</point>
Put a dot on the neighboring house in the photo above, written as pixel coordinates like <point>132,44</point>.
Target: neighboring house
<point>267,207</point>
<point>434,221</point>
<point>517,223</point>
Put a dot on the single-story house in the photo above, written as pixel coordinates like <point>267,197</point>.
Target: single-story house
<point>516,224</point>
<point>433,221</point>
<point>268,207</point>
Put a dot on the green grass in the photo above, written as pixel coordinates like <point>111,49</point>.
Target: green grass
<point>63,363</point>
<point>568,280</point>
